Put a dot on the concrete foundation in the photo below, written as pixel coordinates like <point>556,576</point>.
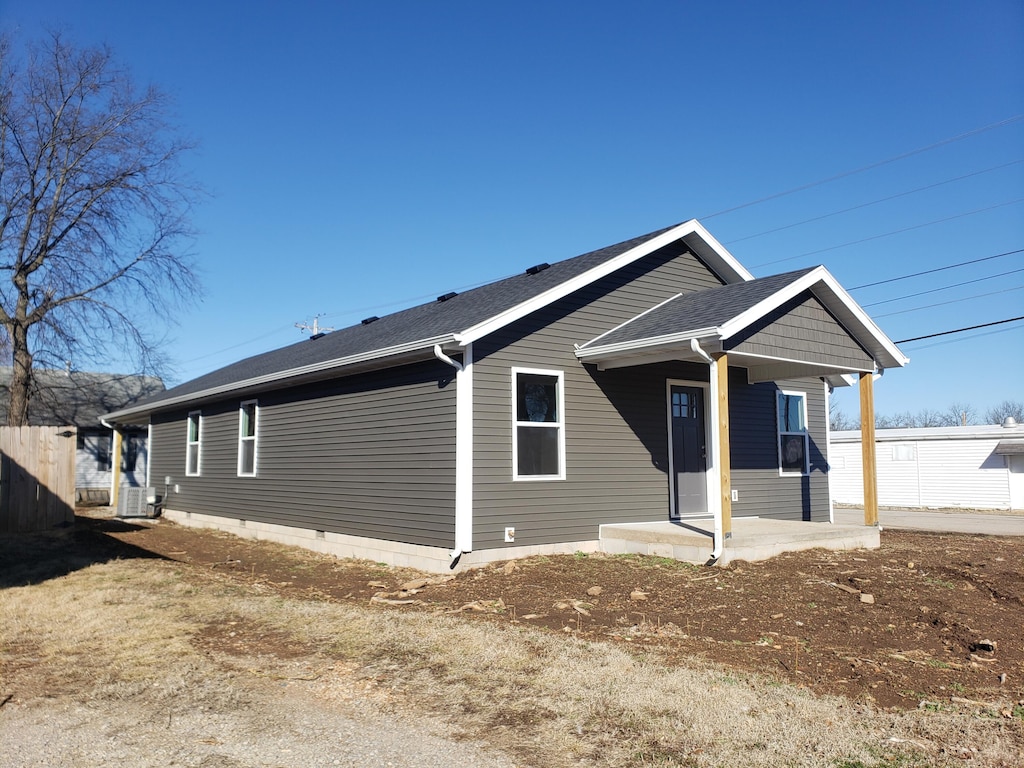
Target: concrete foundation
<point>396,553</point>
<point>690,541</point>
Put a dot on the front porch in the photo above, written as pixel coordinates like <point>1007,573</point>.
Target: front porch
<point>753,538</point>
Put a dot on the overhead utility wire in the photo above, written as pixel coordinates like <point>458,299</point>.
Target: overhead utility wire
<point>961,330</point>
<point>873,202</point>
<point>943,288</point>
<point>869,167</point>
<point>894,232</point>
<point>937,269</point>
<point>951,301</point>
<point>966,338</point>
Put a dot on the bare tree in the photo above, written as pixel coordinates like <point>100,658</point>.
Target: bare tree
<point>839,421</point>
<point>961,414</point>
<point>1014,408</point>
<point>94,206</point>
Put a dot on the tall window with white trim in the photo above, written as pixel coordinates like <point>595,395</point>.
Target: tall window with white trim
<point>538,429</point>
<point>793,438</point>
<point>248,416</point>
<point>193,443</point>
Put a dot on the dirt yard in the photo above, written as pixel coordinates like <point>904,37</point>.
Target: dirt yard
<point>928,624</point>
<point>923,620</point>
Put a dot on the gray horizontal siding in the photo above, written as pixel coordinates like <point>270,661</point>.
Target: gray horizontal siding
<point>754,453</point>
<point>615,421</point>
<point>370,455</point>
<point>802,330</point>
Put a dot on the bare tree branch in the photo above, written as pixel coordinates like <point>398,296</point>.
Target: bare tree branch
<point>94,211</point>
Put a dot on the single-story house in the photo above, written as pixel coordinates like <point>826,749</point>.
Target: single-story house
<point>69,398</point>
<point>651,380</point>
<point>975,467</point>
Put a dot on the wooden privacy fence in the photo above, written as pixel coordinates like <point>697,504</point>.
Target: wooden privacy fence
<point>37,478</point>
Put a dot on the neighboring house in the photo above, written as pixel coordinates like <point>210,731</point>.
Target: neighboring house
<point>980,467</point>
<point>79,399</point>
<point>651,380</point>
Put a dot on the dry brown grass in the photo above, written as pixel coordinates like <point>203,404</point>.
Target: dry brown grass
<point>132,630</point>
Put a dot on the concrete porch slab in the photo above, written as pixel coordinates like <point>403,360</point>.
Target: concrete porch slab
<point>753,538</point>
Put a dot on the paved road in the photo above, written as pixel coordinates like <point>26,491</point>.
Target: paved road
<point>953,522</point>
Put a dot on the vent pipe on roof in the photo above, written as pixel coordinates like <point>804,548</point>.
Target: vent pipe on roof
<point>446,296</point>
<point>537,268</point>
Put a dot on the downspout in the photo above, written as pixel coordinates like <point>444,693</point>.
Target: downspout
<point>115,462</point>
<point>716,553</point>
<point>463,451</point>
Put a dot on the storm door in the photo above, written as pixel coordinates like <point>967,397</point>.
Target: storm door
<point>688,468</point>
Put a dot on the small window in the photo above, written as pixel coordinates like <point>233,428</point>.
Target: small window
<point>195,431</point>
<point>103,444</point>
<point>130,452</point>
<point>538,430</point>
<point>248,415</point>
<point>793,440</point>
<point>905,452</point>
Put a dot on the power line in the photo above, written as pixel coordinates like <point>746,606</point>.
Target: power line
<point>943,288</point>
<point>869,167</point>
<point>951,301</point>
<point>894,232</point>
<point>966,338</point>
<point>873,202</point>
<point>961,330</point>
<point>937,269</point>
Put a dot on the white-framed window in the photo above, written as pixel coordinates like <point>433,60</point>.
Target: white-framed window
<point>791,410</point>
<point>248,431</point>
<point>538,425</point>
<point>194,443</point>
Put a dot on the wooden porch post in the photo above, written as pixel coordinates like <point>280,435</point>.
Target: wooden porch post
<point>867,447</point>
<point>724,466</point>
<point>115,466</point>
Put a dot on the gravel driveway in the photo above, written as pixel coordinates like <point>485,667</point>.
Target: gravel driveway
<point>290,725</point>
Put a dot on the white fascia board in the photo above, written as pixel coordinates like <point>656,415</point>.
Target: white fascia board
<point>270,378</point>
<point>652,343</point>
<point>706,245</point>
<point>843,380</point>
<point>836,299</point>
<point>691,232</point>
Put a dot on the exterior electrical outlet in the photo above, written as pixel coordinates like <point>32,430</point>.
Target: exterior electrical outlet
<point>510,534</point>
<point>735,495</point>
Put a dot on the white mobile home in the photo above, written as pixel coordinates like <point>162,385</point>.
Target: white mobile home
<point>979,467</point>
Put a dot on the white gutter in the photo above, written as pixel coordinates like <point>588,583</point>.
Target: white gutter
<point>463,450</point>
<point>270,378</point>
<point>667,340</point>
<point>715,500</point>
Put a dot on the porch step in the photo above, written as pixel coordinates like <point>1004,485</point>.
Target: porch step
<point>753,539</point>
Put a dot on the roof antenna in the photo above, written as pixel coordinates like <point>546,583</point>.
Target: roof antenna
<point>315,329</point>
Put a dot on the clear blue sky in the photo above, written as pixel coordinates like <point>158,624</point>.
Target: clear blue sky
<point>365,156</point>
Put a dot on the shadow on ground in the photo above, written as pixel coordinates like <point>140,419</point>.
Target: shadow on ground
<point>32,558</point>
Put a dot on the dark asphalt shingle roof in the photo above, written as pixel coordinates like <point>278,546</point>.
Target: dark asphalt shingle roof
<point>709,308</point>
<point>78,398</point>
<point>425,321</point>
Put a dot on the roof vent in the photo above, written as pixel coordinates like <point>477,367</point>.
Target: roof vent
<point>1009,422</point>
<point>447,296</point>
<point>316,336</point>
<point>537,268</point>
<point>369,320</point>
